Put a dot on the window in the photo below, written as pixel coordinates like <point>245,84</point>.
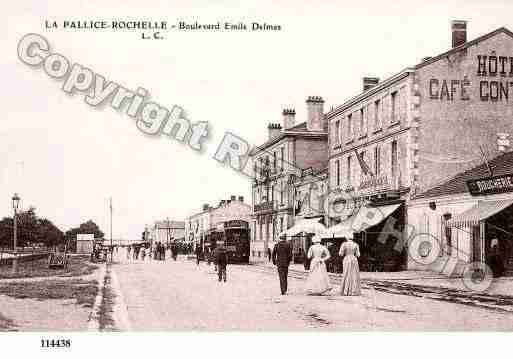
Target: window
<point>394,159</point>
<point>377,122</point>
<point>274,160</point>
<point>337,171</point>
<point>363,132</point>
<point>393,112</point>
<point>348,170</point>
<point>272,193</point>
<point>274,229</point>
<point>448,240</point>
<point>350,126</point>
<point>281,224</point>
<point>282,153</point>
<point>260,237</point>
<point>377,160</point>
<point>336,132</point>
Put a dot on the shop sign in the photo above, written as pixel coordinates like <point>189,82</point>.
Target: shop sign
<point>373,182</point>
<point>491,185</point>
<point>236,224</point>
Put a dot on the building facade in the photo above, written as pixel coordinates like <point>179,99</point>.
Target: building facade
<point>198,226</point>
<point>167,231</point>
<point>290,149</point>
<point>401,136</point>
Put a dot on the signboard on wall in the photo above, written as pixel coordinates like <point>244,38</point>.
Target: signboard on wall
<point>491,185</point>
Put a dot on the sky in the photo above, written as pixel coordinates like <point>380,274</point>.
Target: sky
<point>67,158</point>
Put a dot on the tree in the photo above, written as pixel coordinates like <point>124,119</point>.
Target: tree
<point>30,230</point>
<point>88,227</point>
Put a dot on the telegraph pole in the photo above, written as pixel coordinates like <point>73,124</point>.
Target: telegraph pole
<point>111,248</point>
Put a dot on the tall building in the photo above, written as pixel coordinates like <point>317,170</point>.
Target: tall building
<point>406,134</point>
<point>166,231</point>
<point>290,149</point>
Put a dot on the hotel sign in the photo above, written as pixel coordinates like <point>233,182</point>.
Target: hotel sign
<point>491,185</point>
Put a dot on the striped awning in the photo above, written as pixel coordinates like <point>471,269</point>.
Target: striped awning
<point>310,225</point>
<point>365,218</point>
<point>481,211</point>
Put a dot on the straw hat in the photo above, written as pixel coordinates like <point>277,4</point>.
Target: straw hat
<point>316,239</point>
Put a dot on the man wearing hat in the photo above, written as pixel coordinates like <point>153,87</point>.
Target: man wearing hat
<point>282,256</point>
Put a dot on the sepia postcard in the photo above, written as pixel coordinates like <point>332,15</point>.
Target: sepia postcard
<point>185,167</point>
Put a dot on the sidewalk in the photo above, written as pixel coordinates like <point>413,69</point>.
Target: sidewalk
<point>500,286</point>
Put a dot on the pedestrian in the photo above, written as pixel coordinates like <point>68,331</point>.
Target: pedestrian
<point>198,254</point>
<point>163,252</point>
<point>350,251</point>
<point>318,281</point>
<point>143,253</point>
<point>494,259</point>
<point>282,256</point>
<point>174,251</point>
<point>269,254</point>
<point>128,250</point>
<point>221,259</point>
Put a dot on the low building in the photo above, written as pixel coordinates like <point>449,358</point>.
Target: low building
<point>200,226</point>
<point>456,222</point>
<point>167,231</point>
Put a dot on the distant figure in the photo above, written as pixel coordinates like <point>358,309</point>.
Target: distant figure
<point>269,254</point>
<point>174,251</point>
<point>318,281</point>
<point>494,259</point>
<point>143,253</point>
<point>221,259</point>
<point>351,273</point>
<point>162,252</point>
<point>282,256</point>
<point>128,250</point>
<point>198,253</point>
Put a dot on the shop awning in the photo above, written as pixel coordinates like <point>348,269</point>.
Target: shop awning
<point>481,211</point>
<point>365,218</point>
<point>309,225</point>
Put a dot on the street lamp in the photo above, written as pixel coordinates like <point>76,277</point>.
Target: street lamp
<point>15,205</point>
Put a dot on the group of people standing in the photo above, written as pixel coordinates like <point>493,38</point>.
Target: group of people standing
<point>318,282</point>
<point>156,252</point>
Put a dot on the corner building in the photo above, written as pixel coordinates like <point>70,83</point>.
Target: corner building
<point>410,132</point>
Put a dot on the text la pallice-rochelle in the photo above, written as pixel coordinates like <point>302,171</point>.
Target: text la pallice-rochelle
<point>104,24</point>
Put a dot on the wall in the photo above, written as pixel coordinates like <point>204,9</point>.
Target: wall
<point>454,123</point>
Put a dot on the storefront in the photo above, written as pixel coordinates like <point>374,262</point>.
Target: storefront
<point>375,227</point>
<point>468,219</point>
<point>301,235</point>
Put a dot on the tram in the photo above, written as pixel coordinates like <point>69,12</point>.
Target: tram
<point>235,236</point>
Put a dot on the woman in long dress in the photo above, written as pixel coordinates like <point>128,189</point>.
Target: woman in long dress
<point>318,281</point>
<point>350,251</point>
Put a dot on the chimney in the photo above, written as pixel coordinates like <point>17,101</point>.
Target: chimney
<point>315,113</point>
<point>241,199</point>
<point>459,32</point>
<point>503,142</point>
<point>206,206</point>
<point>274,130</point>
<point>369,82</point>
<point>289,118</point>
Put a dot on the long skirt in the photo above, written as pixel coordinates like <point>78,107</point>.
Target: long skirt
<point>350,276</point>
<point>318,281</point>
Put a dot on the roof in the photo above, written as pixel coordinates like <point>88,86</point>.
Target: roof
<point>299,130</point>
<point>500,165</point>
<point>172,224</point>
<point>394,78</point>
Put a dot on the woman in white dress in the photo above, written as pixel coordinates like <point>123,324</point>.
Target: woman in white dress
<point>318,281</point>
<point>350,251</point>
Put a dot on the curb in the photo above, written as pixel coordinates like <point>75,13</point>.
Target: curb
<point>94,318</point>
<point>120,308</point>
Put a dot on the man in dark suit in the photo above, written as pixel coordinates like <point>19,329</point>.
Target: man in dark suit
<point>282,256</point>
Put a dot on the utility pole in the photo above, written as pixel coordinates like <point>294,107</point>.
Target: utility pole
<point>111,248</point>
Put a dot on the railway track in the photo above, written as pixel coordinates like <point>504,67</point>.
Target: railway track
<point>500,303</point>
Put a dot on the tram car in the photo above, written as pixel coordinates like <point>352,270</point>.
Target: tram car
<point>235,236</point>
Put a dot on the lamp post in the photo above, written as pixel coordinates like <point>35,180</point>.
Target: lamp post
<point>15,204</point>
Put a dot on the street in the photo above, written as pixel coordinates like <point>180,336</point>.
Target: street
<point>179,295</point>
